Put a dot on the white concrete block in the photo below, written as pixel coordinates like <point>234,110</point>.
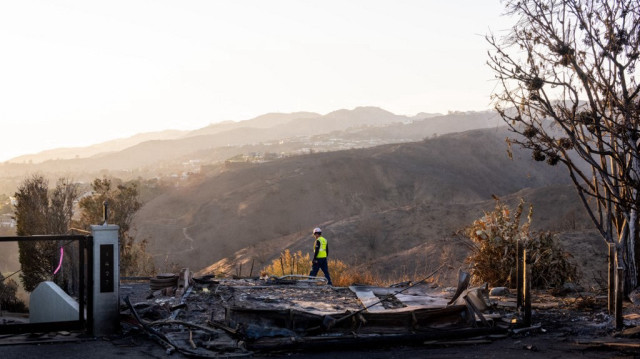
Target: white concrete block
<point>49,303</point>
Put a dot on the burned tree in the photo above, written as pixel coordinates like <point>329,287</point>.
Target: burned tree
<point>123,202</point>
<point>568,89</point>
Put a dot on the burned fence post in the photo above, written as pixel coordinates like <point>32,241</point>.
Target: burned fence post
<point>519,273</point>
<point>105,212</point>
<point>527,289</point>
<point>612,281</point>
<point>619,295</point>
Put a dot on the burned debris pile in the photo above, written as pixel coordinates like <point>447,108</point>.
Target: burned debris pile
<point>209,317</point>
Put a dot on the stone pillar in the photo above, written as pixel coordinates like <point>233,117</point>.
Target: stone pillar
<point>106,280</point>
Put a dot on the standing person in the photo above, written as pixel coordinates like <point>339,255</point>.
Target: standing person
<point>320,254</point>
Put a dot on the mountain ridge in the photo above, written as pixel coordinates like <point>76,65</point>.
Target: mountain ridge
<point>95,149</point>
<point>383,127</point>
<point>268,120</point>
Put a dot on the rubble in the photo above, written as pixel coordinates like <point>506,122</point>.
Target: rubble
<point>208,317</point>
<point>268,317</point>
<point>499,291</point>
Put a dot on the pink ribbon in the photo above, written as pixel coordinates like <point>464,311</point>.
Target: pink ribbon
<point>59,264</point>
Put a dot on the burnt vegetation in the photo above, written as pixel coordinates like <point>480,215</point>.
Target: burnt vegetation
<point>494,241</point>
<point>567,87</point>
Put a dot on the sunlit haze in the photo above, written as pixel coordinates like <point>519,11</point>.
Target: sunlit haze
<point>75,73</point>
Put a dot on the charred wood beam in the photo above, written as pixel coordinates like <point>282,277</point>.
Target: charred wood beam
<point>221,326</point>
<point>476,312</point>
<point>519,274</point>
<point>346,341</point>
<point>304,323</point>
<point>527,289</point>
<point>151,332</point>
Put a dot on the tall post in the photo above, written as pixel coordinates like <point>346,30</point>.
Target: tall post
<point>105,211</point>
<point>619,295</point>
<point>611,287</point>
<point>519,273</point>
<point>527,290</point>
<point>106,275</point>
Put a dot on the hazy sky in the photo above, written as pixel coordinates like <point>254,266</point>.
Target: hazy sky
<point>79,72</point>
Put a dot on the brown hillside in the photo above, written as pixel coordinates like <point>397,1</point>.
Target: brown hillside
<point>410,242</point>
<point>244,206</point>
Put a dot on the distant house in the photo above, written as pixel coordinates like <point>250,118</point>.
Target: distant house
<point>7,221</point>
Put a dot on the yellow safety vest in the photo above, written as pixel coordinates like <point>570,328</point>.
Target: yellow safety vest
<point>322,251</point>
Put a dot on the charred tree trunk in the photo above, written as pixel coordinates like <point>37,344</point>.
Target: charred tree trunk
<point>631,280</point>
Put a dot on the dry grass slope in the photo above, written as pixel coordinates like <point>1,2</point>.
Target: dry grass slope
<point>391,209</point>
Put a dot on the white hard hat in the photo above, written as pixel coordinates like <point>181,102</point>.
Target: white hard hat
<point>317,230</point>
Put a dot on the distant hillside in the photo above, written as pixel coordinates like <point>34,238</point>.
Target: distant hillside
<point>249,205</point>
<point>415,130</point>
<point>263,121</point>
<point>103,147</point>
<point>282,125</point>
<point>423,115</point>
<point>357,128</point>
<point>410,241</point>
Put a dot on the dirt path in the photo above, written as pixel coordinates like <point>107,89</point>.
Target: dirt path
<point>188,238</point>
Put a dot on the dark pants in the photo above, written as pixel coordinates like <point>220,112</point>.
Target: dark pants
<point>321,263</point>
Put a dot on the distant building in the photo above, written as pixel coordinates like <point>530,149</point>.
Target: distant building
<point>6,221</point>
